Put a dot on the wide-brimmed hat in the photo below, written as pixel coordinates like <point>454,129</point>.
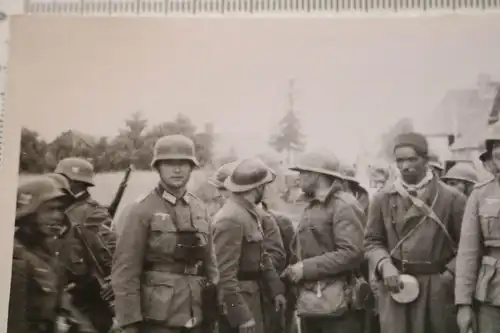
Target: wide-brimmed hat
<point>326,164</point>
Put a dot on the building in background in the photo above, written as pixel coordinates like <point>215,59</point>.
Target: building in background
<point>456,127</point>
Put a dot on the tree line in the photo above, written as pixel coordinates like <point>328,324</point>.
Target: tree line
<point>133,144</point>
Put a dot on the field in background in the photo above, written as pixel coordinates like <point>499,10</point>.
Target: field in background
<point>141,182</point>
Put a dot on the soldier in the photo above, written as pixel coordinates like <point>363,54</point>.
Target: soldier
<point>461,176</point>
<point>436,165</point>
<point>244,265</point>
<point>218,182</point>
<point>278,232</point>
<point>164,262</point>
<point>477,279</point>
<point>411,235</point>
<point>36,282</point>
<point>89,238</point>
<point>327,247</point>
<point>353,186</point>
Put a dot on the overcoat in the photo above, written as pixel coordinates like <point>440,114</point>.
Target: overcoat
<point>244,265</point>
<point>390,218</point>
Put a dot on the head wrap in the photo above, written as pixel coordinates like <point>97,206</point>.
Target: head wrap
<point>415,140</point>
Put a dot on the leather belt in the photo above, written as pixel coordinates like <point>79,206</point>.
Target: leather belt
<point>249,276</point>
<point>178,268</point>
<point>420,268</point>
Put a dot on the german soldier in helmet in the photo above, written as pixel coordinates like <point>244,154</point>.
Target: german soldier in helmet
<point>90,237</point>
<point>164,258</point>
<point>278,231</point>
<point>244,265</point>
<point>477,291</point>
<point>37,280</point>
<point>411,236</point>
<point>327,248</point>
<point>461,176</point>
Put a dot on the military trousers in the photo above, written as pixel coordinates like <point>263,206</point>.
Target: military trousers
<point>348,323</point>
<point>488,319</point>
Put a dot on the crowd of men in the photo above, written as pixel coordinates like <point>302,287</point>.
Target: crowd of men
<point>419,256</point>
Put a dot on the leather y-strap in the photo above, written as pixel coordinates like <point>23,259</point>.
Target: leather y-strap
<point>428,211</point>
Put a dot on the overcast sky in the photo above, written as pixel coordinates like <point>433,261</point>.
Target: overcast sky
<point>353,77</point>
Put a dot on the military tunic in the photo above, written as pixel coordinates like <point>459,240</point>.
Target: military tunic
<point>286,230</point>
<point>478,255</point>
<point>36,286</point>
<point>152,288</point>
<point>390,218</point>
<point>273,245</point>
<point>243,264</point>
<point>330,238</point>
<point>94,221</point>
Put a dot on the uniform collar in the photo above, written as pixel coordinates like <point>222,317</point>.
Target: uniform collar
<point>167,196</point>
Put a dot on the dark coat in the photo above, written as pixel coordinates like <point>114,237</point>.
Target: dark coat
<point>390,218</point>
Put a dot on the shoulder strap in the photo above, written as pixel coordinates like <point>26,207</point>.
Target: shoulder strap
<point>429,212</point>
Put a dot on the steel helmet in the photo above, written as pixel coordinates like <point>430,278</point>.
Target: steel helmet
<point>32,193</point>
<point>60,180</point>
<point>435,162</point>
<point>462,171</point>
<point>349,174</point>
<point>319,163</point>
<point>221,174</point>
<point>174,147</point>
<point>76,169</point>
<point>249,174</point>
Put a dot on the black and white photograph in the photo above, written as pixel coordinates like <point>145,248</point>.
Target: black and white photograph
<point>250,175</point>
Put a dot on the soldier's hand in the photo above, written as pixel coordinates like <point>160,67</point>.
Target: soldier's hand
<point>391,277</point>
<point>280,303</point>
<point>248,327</point>
<point>466,319</point>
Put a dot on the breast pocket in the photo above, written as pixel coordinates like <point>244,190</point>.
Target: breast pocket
<point>251,251</point>
<point>489,219</point>
<point>162,234</point>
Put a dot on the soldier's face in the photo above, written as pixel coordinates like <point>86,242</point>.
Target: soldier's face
<point>308,181</point>
<point>411,165</point>
<point>459,185</point>
<point>175,173</point>
<point>50,217</point>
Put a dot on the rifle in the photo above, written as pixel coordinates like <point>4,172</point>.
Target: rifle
<point>119,193</point>
<point>98,271</point>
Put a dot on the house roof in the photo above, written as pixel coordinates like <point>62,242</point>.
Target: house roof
<point>471,111</point>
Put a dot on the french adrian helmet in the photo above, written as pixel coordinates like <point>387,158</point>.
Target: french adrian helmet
<point>462,171</point>
<point>174,147</point>
<point>77,169</point>
<point>248,174</point>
